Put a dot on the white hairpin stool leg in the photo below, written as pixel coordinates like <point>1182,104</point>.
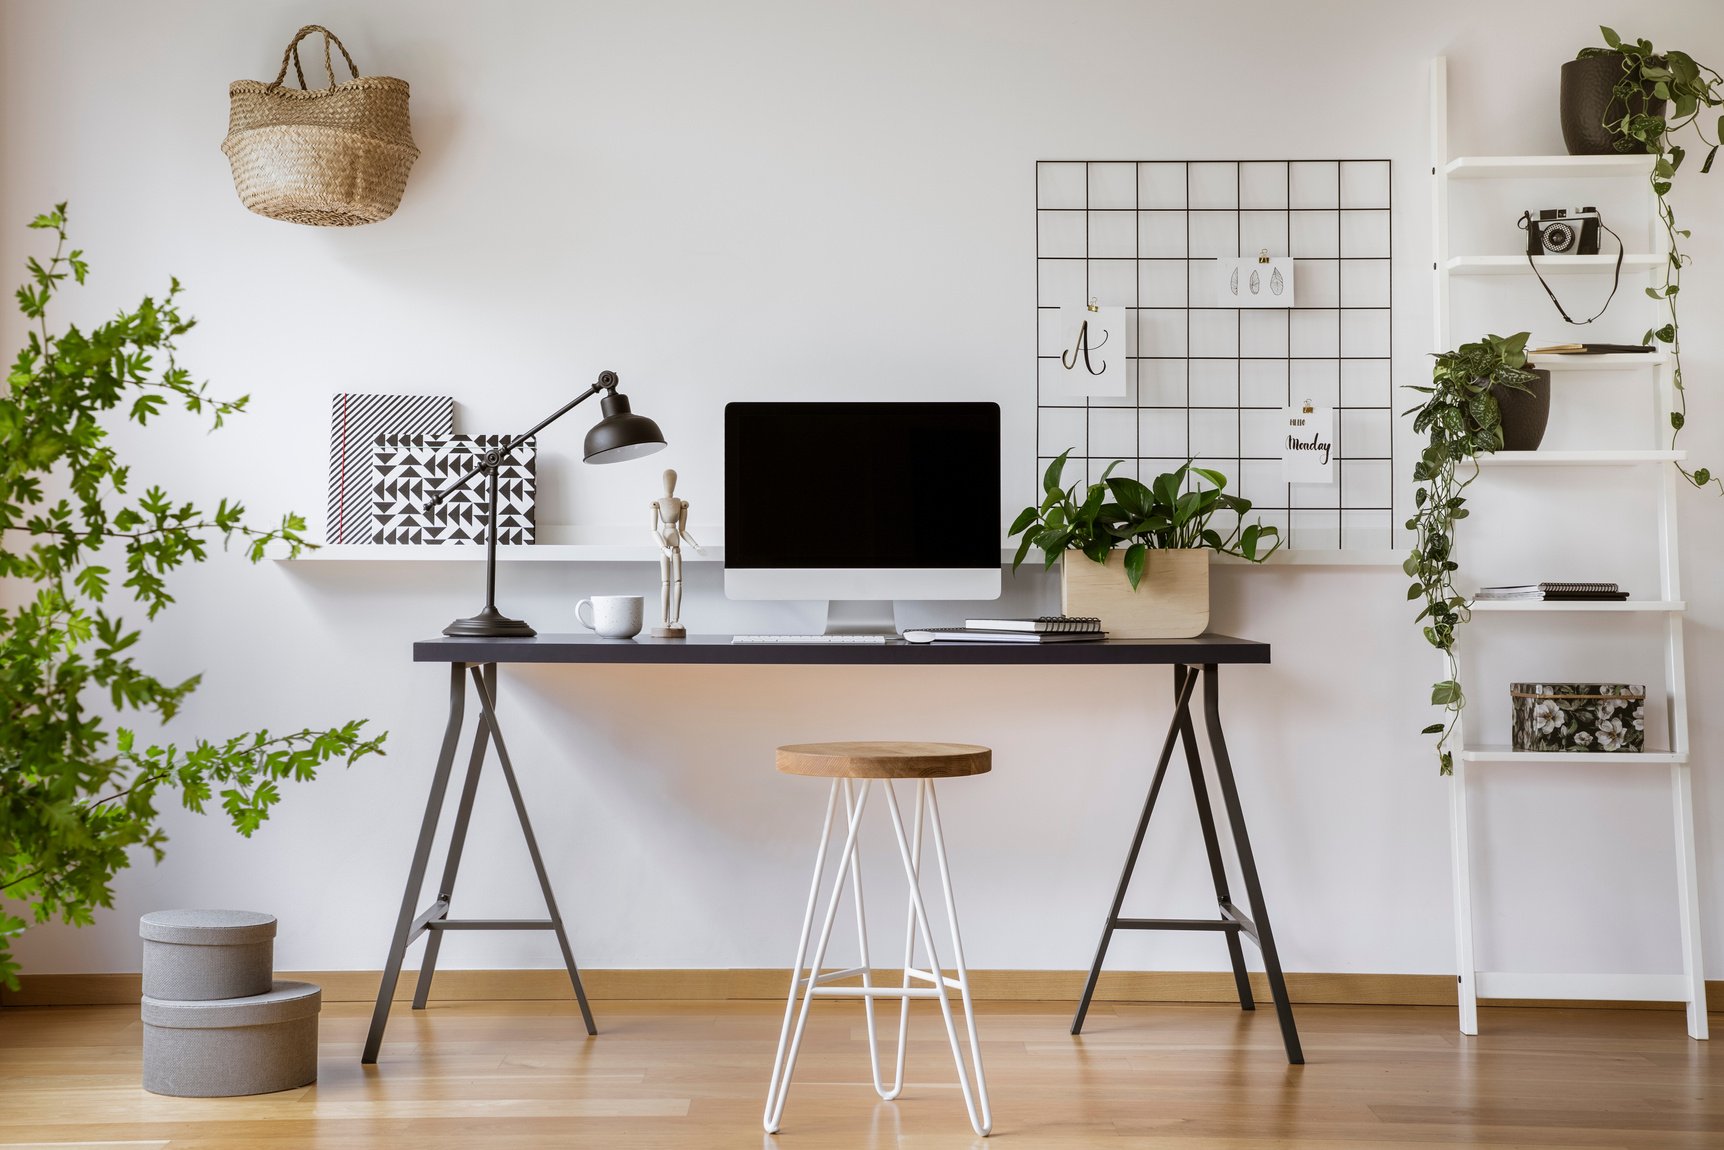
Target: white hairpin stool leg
<point>909,940</point>
<point>963,968</point>
<point>862,944</point>
<point>790,1043</point>
<point>980,1123</point>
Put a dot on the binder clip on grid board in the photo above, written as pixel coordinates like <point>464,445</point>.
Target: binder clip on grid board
<point>1260,281</point>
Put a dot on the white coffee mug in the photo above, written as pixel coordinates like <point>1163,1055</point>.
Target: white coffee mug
<point>613,616</point>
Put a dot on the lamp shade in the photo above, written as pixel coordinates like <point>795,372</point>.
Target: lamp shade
<point>621,434</point>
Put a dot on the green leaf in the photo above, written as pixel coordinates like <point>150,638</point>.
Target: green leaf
<point>1610,37</point>
<point>1051,478</point>
<point>1218,480</point>
<point>1433,729</point>
<point>1136,559</point>
<point>1445,693</point>
<point>1134,498</point>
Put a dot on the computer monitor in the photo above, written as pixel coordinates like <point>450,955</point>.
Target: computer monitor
<point>862,503</point>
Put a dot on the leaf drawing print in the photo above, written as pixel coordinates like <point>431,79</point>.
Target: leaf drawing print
<point>1233,282</point>
<point>1256,283</point>
<point>1276,283</point>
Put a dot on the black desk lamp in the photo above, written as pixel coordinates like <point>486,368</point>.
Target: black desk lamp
<point>620,435</point>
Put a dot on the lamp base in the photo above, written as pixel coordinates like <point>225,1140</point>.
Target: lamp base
<point>489,624</point>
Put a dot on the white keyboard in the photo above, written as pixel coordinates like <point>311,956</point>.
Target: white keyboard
<point>864,640</point>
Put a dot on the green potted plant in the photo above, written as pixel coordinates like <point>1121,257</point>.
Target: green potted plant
<point>1460,419</point>
<point>1628,97</point>
<point>1147,544</point>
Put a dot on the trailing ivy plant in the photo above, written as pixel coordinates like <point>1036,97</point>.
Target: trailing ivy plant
<point>1115,510</point>
<point>1460,420</point>
<point>77,795</point>
<point>1687,86</point>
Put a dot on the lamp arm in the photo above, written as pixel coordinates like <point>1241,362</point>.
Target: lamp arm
<point>607,381</point>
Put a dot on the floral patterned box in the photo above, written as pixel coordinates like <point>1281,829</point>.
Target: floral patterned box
<point>1579,716</point>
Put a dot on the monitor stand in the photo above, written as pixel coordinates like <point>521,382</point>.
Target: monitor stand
<point>862,617</point>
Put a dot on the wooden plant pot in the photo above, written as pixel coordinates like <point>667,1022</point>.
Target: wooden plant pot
<point>1171,601</point>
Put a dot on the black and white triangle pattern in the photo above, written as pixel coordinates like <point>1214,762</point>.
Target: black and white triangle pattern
<point>355,423</point>
<point>406,470</point>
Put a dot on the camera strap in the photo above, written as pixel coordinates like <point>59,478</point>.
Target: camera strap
<point>1526,223</point>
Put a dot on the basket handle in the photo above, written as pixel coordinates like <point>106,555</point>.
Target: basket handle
<point>292,54</point>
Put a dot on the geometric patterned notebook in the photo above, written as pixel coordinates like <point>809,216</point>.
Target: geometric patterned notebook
<point>407,470</point>
<point>355,422</point>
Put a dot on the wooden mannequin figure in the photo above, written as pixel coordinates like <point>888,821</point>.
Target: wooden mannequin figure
<point>670,528</point>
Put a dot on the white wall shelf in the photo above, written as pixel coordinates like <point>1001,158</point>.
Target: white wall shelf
<point>1628,606</point>
<point>1615,361</point>
<point>1505,755</point>
<point>630,553</point>
<point>1634,262</point>
<point>1606,987</point>
<point>1547,167</point>
<point>540,553</point>
<point>1450,273</point>
<point>1287,557</point>
<point>1579,458</point>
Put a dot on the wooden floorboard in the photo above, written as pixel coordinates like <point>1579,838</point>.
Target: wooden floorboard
<point>520,1075</point>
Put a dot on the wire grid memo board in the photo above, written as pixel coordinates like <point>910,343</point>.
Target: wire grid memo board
<point>1209,381</point>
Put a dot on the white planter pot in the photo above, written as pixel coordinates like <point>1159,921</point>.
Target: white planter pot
<point>1171,601</point>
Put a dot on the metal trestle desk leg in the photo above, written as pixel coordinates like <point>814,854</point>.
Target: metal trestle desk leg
<point>434,919</point>
<point>1231,921</point>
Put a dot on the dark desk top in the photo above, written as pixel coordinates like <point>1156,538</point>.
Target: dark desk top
<point>698,649</point>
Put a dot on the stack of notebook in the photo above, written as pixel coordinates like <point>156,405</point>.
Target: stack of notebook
<point>1044,629</point>
<point>1552,593</point>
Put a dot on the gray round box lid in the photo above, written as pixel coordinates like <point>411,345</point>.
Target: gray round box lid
<point>284,1002</point>
<point>207,927</point>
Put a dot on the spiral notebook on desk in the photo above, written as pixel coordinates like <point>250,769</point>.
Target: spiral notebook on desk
<point>981,635</point>
<point>1042,624</point>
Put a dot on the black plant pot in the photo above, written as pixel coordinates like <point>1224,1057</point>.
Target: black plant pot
<point>1524,414</point>
<point>1589,102</point>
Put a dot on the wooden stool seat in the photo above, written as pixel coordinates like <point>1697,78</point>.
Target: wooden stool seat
<point>885,760</point>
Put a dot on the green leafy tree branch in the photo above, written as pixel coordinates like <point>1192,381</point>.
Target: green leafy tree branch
<point>77,797</point>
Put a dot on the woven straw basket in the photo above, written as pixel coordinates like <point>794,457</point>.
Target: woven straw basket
<point>334,157</point>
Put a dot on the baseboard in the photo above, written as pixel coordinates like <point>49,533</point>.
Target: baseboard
<point>710,985</point>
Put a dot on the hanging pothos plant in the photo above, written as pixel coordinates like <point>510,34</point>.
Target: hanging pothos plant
<point>1460,420</point>
<point>1687,86</point>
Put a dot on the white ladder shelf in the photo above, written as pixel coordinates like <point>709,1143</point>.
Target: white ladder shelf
<point>1690,986</point>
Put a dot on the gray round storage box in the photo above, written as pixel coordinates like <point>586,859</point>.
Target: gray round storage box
<point>253,1045</point>
<point>192,955</point>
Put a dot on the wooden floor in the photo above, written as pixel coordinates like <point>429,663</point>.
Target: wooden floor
<point>512,1075</point>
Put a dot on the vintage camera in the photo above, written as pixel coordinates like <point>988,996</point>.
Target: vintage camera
<point>1561,232</point>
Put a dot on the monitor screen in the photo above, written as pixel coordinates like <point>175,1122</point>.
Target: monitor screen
<point>862,485</point>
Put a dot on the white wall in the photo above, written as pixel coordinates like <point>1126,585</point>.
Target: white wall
<point>768,200</point>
